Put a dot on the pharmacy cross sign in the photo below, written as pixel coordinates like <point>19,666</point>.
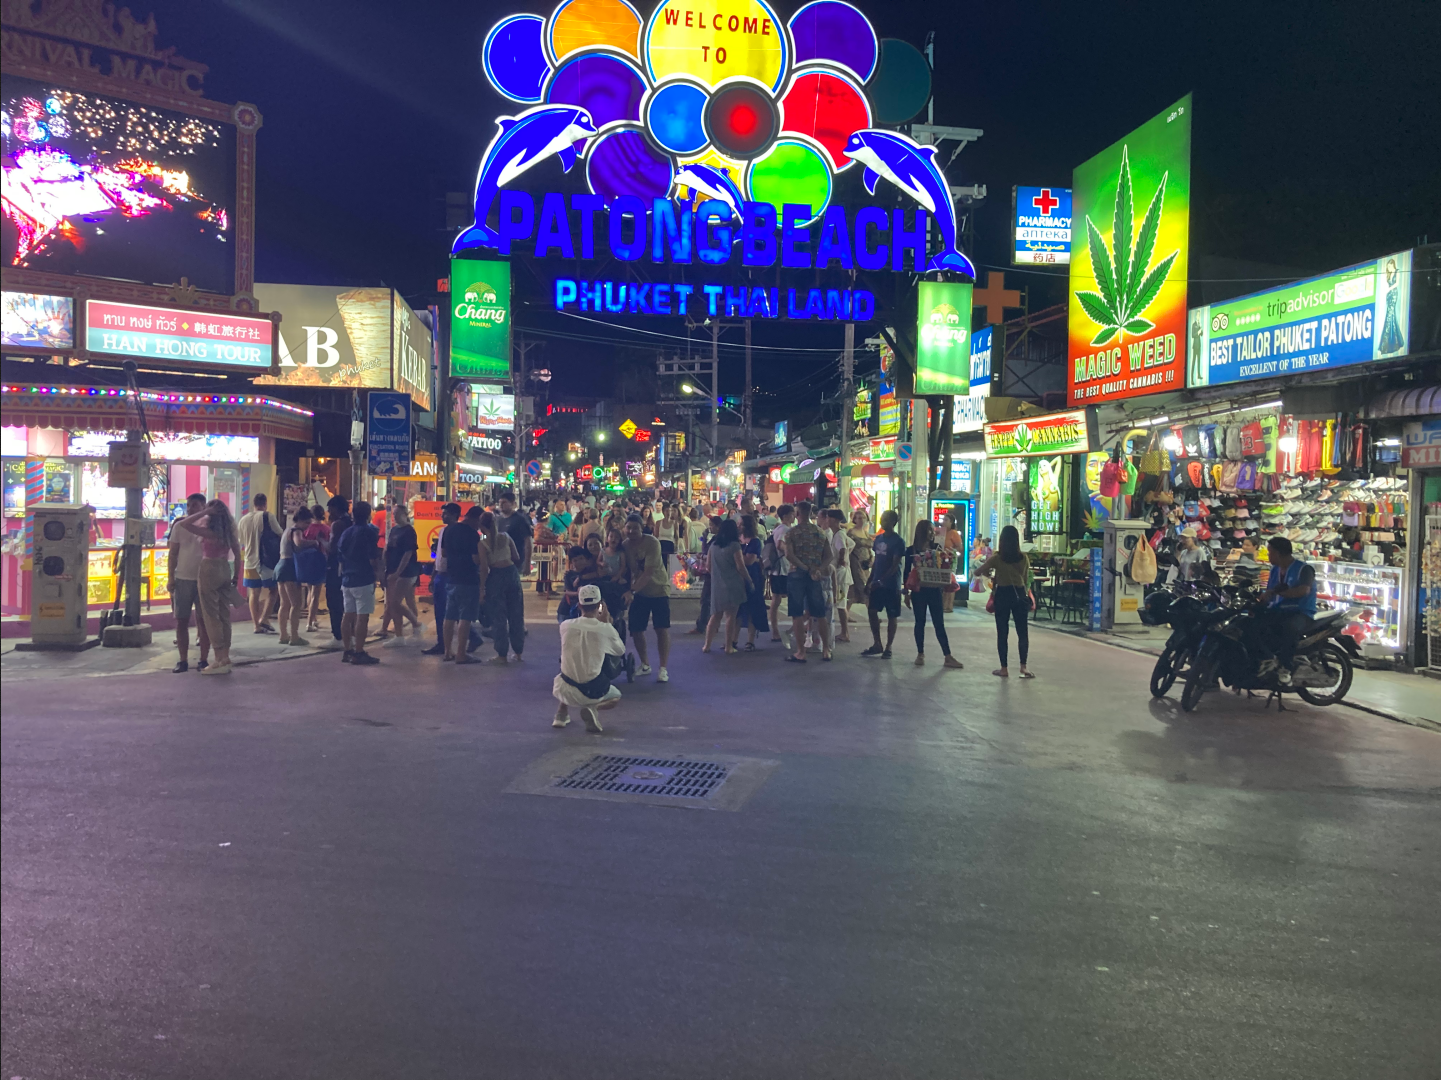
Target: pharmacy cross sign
<point>1045,202</point>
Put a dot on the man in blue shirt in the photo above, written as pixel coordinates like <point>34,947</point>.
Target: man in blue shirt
<point>883,591</point>
<point>359,549</point>
<point>1290,606</point>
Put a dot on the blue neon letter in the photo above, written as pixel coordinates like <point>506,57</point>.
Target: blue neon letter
<point>792,234</point>
<point>619,208</point>
<point>668,229</point>
<point>916,241</point>
<point>511,229</point>
<point>758,234</point>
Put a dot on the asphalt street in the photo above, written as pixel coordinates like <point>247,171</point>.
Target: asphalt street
<point>312,870</point>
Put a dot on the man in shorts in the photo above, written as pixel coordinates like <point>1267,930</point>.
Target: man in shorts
<point>883,591</point>
<point>646,594</point>
<point>183,567</point>
<point>465,587</point>
<point>809,554</point>
<point>360,563</point>
<point>785,517</point>
<point>260,586</point>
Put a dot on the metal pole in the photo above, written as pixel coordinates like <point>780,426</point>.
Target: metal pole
<point>714,388</point>
<point>750,431</point>
<point>520,349</point>
<point>134,511</point>
<point>848,408</point>
<point>444,402</point>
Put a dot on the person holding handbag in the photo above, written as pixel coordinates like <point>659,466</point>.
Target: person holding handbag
<point>1010,570</point>
<point>924,598</point>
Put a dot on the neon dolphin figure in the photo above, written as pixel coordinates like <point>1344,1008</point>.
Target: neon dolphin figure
<point>522,142</point>
<point>913,169</point>
<point>711,182</point>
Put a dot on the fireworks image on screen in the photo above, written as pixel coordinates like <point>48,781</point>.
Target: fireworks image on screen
<point>75,164</point>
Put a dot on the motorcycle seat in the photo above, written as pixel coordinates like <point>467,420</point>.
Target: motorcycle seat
<point>1324,619</point>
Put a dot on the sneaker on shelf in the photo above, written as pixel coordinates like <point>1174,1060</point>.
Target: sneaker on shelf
<point>662,675</point>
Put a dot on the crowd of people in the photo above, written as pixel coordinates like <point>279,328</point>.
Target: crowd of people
<point>611,562</point>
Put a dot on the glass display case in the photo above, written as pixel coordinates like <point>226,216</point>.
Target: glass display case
<point>1376,595</point>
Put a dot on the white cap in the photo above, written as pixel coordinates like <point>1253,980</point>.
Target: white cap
<point>589,594</point>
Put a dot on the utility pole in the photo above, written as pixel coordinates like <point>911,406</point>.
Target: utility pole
<point>750,430</point>
<point>848,408</point>
<point>714,387</point>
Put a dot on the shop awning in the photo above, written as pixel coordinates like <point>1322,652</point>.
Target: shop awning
<point>107,408</point>
<point>861,469</point>
<point>809,474</point>
<point>1422,401</point>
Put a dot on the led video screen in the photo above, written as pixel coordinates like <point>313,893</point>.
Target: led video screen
<point>98,186</point>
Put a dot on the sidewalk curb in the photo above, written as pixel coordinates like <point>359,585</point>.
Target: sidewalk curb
<point>1116,642</point>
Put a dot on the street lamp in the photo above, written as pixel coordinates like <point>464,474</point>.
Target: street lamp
<point>687,388</point>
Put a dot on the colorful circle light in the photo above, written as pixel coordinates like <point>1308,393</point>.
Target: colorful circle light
<point>514,57</point>
<point>828,107</point>
<point>771,104</point>
<point>623,162</point>
<point>902,85</point>
<point>581,25</point>
<point>607,86</point>
<point>741,118</point>
<point>675,116</point>
<point>837,33</point>
<point>794,170</point>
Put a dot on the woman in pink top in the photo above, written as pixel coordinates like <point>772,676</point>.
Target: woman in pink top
<point>217,583</point>
<point>318,533</point>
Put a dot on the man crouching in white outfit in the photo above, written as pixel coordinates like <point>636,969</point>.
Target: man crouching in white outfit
<point>585,643</point>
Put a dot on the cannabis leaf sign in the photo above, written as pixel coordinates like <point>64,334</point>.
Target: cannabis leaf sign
<point>1126,287</point>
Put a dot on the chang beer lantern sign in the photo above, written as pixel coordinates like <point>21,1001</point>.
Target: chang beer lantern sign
<point>1127,318</point>
<point>943,333</point>
<point>480,319</point>
<point>1035,436</point>
<point>707,134</point>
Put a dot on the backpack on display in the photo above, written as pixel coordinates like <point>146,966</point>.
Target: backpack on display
<point>269,543</point>
<point>1233,443</point>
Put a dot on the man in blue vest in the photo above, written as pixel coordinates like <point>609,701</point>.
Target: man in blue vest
<point>1290,606</point>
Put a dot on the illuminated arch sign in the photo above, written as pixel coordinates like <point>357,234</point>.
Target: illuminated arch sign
<point>710,132</point>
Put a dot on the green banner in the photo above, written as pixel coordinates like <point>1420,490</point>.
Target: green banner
<point>479,319</point>
<point>943,339</point>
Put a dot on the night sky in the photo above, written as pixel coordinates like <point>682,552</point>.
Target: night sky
<point>1315,132</point>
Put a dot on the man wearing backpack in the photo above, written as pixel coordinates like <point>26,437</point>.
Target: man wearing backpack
<point>259,537</point>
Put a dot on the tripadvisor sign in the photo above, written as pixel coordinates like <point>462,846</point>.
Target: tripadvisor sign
<point>479,319</point>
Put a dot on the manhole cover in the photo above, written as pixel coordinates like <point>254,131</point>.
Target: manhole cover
<point>646,776</point>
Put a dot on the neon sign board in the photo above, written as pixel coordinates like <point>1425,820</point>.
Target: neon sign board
<point>1042,225</point>
<point>703,129</point>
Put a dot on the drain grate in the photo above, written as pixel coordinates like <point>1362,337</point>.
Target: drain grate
<point>645,776</point>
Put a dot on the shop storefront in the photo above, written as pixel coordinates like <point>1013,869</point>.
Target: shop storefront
<point>55,451</point>
<point>1031,476</point>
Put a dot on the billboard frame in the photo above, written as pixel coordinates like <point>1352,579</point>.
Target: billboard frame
<point>89,35</point>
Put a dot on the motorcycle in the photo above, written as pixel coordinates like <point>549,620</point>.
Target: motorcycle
<point>1186,608</point>
<point>1228,654</point>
